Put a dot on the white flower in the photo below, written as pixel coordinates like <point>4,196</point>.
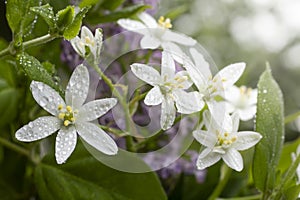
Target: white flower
<point>241,100</point>
<point>157,34</point>
<point>211,87</point>
<point>168,88</point>
<point>222,140</point>
<point>87,40</point>
<point>69,117</point>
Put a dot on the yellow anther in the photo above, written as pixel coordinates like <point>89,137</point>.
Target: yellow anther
<point>61,115</point>
<point>60,106</point>
<point>180,86</point>
<point>165,23</point>
<point>69,108</point>
<point>66,123</point>
<point>72,119</point>
<point>223,79</point>
<point>243,89</point>
<point>89,41</point>
<point>233,139</point>
<point>226,134</point>
<point>226,142</point>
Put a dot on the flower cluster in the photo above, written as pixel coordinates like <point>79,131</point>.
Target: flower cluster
<point>218,93</point>
<point>187,90</point>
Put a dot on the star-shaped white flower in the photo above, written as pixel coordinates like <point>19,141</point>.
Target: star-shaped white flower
<point>69,117</point>
<point>241,100</point>
<point>211,87</point>
<point>168,89</point>
<point>222,140</point>
<point>157,34</point>
<point>87,40</point>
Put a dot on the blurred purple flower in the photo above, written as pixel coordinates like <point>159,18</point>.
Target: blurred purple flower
<point>153,3</point>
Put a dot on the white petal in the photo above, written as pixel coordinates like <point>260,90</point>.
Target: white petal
<point>233,159</point>
<point>98,39</point>
<point>208,160</point>
<point>220,116</point>
<point>38,129</point>
<point>235,122</point>
<point>94,109</point>
<point>168,113</point>
<point>233,94</point>
<point>167,66</point>
<point>46,97</point>
<point>196,75</point>
<point>253,97</point>
<point>185,76</point>
<point>85,32</point>
<point>97,138</point>
<point>178,38</point>
<point>65,143</point>
<point>146,73</point>
<point>77,46</point>
<point>188,102</point>
<point>209,121</point>
<point>174,50</point>
<point>149,42</point>
<point>248,113</point>
<point>205,138</point>
<point>148,20</point>
<point>154,97</point>
<point>78,87</point>
<point>201,63</point>
<point>133,25</point>
<point>246,140</point>
<point>230,74</point>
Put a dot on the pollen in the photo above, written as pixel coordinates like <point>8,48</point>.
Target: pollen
<point>67,115</point>
<point>165,23</point>
<point>89,41</point>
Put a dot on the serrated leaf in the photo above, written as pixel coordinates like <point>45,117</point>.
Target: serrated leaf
<point>65,17</point>
<point>112,5</point>
<point>126,12</point>
<point>270,124</point>
<point>73,29</point>
<point>35,71</point>
<point>82,167</point>
<point>46,12</point>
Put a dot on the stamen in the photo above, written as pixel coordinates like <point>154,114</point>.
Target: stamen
<point>165,23</point>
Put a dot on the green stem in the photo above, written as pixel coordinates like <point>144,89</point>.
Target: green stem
<point>129,139</point>
<point>14,147</point>
<point>33,42</point>
<point>253,197</point>
<point>291,117</point>
<point>155,136</point>
<point>287,177</point>
<point>222,183</point>
<point>114,131</point>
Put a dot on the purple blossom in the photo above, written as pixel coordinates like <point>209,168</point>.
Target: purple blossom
<point>153,3</point>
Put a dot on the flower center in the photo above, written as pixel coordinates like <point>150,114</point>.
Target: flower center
<point>165,23</point>
<point>66,114</point>
<point>225,139</point>
<point>88,41</point>
<point>170,85</point>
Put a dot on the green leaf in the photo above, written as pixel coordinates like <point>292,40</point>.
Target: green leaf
<point>65,17</point>
<point>270,124</point>
<point>126,12</point>
<point>85,3</point>
<point>86,175</point>
<point>9,98</point>
<point>35,70</point>
<point>46,12</point>
<point>292,192</point>
<point>19,17</point>
<point>112,5</point>
<point>73,29</point>
<point>6,192</point>
<point>285,158</point>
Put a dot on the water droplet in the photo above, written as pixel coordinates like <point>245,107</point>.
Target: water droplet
<point>265,91</point>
